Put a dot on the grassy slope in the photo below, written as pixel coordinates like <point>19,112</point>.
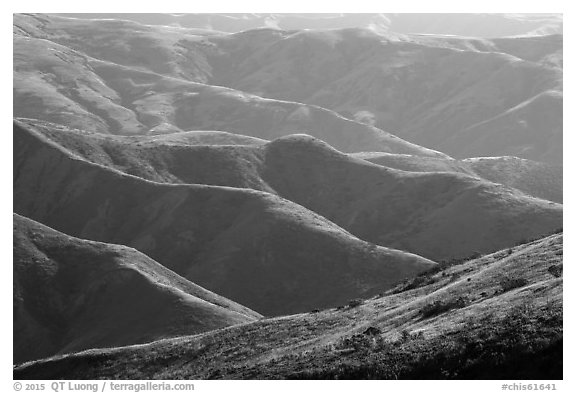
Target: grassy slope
<point>450,97</point>
<point>441,92</point>
<point>255,248</point>
<point>117,89</point>
<point>531,129</point>
<point>534,178</point>
<point>431,214</point>
<point>72,294</point>
<point>537,179</point>
<point>483,332</point>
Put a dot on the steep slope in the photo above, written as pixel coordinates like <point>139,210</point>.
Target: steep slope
<point>255,248</point>
<point>432,214</point>
<point>72,294</point>
<point>497,317</point>
<point>537,179</point>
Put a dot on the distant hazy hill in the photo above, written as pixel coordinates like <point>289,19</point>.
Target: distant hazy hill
<point>464,96</point>
<point>478,25</point>
<point>463,99</point>
<point>255,248</point>
<point>451,324</point>
<point>72,294</point>
<point>435,214</point>
<point>60,85</point>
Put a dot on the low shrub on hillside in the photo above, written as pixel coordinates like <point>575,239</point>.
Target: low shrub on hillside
<point>428,277</point>
<point>406,336</point>
<point>416,282</point>
<point>507,283</point>
<point>355,303</point>
<point>359,342</point>
<point>372,340</point>
<point>441,306</point>
<point>555,270</point>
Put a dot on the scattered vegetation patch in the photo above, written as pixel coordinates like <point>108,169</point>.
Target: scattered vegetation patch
<point>507,283</point>
<point>525,344</point>
<point>372,331</point>
<point>372,340</point>
<point>406,335</point>
<point>439,306</point>
<point>355,303</point>
<point>429,277</point>
<point>555,270</point>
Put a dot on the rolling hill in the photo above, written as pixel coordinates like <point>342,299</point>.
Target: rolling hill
<point>443,96</point>
<point>287,196</point>
<point>252,247</point>
<point>430,214</point>
<point>171,158</point>
<point>463,96</point>
<point>72,294</point>
<point>496,317</point>
<point>433,214</point>
<point>534,178</point>
<point>57,84</point>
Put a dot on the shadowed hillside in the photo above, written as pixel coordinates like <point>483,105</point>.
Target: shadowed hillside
<point>496,317</point>
<point>437,214</point>
<point>72,294</point>
<point>255,248</point>
<point>432,214</point>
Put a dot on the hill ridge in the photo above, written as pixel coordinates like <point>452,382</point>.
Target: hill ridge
<point>212,235</point>
<point>332,343</point>
<point>70,294</point>
<point>374,202</point>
